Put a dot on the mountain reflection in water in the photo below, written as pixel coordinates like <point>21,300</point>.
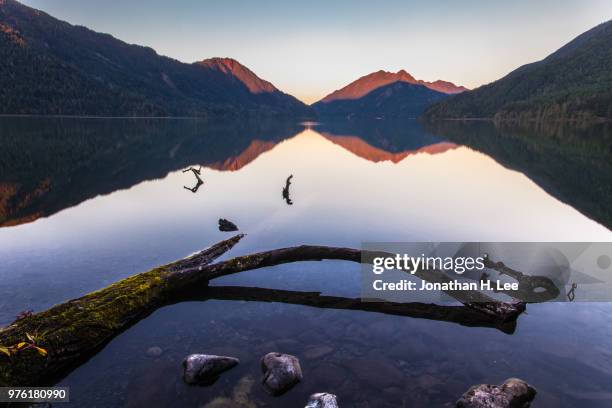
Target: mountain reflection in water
<point>51,164</point>
<point>86,202</point>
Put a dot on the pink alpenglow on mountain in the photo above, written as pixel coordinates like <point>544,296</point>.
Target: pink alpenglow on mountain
<point>370,82</point>
<point>232,67</point>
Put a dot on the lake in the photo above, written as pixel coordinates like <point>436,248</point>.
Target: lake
<point>86,202</point>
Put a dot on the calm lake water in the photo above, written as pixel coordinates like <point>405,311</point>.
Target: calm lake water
<point>86,202</point>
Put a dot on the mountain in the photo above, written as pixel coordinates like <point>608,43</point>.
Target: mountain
<point>398,99</point>
<point>234,69</point>
<point>48,66</point>
<point>575,82</point>
<point>385,94</point>
<point>261,91</point>
<point>370,82</point>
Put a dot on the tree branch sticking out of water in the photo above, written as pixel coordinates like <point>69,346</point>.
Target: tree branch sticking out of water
<point>76,330</point>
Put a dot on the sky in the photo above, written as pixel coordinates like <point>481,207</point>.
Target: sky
<point>311,48</point>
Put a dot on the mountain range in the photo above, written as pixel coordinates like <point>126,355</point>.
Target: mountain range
<point>51,67</point>
<point>385,94</point>
<point>575,82</point>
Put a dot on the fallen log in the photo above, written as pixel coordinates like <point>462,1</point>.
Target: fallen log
<point>74,331</point>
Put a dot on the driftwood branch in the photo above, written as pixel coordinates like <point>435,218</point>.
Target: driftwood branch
<point>74,331</point>
<point>503,311</point>
<point>532,289</point>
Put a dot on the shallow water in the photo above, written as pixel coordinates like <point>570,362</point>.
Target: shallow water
<point>94,201</point>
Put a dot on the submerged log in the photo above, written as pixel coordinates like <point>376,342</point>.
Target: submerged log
<point>74,331</point>
<point>461,315</point>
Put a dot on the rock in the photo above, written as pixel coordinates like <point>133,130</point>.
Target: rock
<point>322,400</point>
<point>226,226</point>
<point>316,352</point>
<point>205,369</point>
<point>281,372</point>
<point>154,351</point>
<point>513,393</point>
<point>240,398</point>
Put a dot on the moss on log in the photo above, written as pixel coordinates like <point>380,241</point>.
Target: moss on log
<point>74,331</point>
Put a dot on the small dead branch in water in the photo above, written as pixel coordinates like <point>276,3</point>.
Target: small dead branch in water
<point>194,170</point>
<point>199,181</point>
<point>532,289</point>
<point>571,295</point>
<point>286,193</point>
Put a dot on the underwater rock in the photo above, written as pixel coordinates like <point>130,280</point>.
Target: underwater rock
<point>322,400</point>
<point>226,225</point>
<point>240,398</point>
<point>205,369</point>
<point>281,372</point>
<point>513,393</point>
<point>154,351</point>
<point>316,352</point>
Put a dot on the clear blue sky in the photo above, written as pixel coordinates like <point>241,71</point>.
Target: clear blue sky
<point>310,48</point>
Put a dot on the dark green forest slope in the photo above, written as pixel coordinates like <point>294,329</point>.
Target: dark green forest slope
<point>573,83</point>
<point>50,67</point>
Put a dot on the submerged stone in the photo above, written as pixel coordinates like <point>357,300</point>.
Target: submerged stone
<point>240,398</point>
<point>205,369</point>
<point>316,352</point>
<point>322,400</point>
<point>154,351</point>
<point>281,372</point>
<point>513,393</point>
